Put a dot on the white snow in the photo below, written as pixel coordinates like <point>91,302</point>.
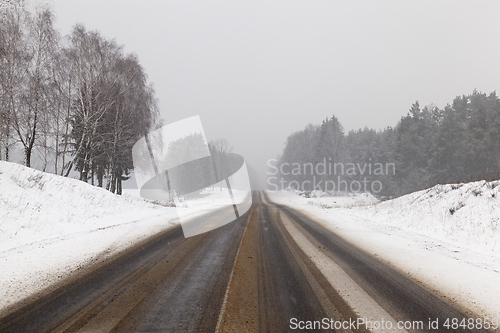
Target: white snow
<point>467,215</point>
<point>51,227</point>
<point>455,255</point>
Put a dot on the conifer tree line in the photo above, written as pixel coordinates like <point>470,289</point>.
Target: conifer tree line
<point>78,102</point>
<point>428,146</point>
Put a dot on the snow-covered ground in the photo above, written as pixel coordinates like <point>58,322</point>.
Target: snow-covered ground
<point>444,237</point>
<point>51,227</point>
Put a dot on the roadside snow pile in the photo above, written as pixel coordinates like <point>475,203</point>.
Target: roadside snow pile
<point>53,228</point>
<point>467,215</point>
<point>327,200</point>
<point>35,205</point>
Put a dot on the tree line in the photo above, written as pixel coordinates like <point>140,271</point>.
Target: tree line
<point>79,101</point>
<point>428,146</point>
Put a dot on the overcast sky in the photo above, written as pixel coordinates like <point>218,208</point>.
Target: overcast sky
<point>256,71</point>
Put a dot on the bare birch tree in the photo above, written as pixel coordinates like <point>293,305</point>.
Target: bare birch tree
<point>13,67</point>
<point>34,110</point>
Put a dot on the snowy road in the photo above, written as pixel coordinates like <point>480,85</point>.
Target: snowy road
<point>272,270</point>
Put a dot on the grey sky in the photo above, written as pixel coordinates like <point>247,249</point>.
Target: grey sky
<point>256,71</point>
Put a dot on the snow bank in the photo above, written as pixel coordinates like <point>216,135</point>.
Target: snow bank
<point>467,215</point>
<point>52,226</point>
<point>35,205</point>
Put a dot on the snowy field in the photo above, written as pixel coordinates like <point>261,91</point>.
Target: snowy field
<point>444,237</point>
<point>51,227</point>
